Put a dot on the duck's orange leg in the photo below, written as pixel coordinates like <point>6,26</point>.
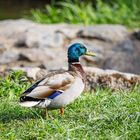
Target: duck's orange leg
<point>62,111</point>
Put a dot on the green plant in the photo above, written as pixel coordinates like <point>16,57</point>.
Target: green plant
<point>13,84</point>
<point>117,12</point>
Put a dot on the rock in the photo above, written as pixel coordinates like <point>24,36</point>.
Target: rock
<point>33,55</point>
<point>49,58</point>
<point>40,37</point>
<point>21,41</point>
<point>29,71</point>
<point>104,32</point>
<point>2,48</point>
<point>35,35</point>
<point>110,79</point>
<point>70,31</point>
<point>121,57</point>
<point>125,46</point>
<point>8,57</point>
<point>12,28</point>
<point>136,34</point>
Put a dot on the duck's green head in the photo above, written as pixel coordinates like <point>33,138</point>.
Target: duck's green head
<point>76,50</point>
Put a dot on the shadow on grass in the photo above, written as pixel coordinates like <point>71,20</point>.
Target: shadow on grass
<point>9,113</point>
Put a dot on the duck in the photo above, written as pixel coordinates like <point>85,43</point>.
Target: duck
<point>59,88</point>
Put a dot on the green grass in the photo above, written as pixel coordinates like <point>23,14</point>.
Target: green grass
<point>124,12</point>
<point>103,115</point>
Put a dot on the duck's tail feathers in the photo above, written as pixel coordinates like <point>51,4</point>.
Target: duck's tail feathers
<point>27,101</point>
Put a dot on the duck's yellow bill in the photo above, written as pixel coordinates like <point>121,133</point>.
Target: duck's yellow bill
<point>90,53</point>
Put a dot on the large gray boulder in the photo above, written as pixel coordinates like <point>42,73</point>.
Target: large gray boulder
<point>104,32</point>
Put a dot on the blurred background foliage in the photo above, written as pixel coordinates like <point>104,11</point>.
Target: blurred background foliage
<point>85,12</point>
<point>89,12</point>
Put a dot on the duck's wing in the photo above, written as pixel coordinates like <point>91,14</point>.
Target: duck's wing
<point>49,87</point>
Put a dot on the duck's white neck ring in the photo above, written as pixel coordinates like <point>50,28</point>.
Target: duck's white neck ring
<point>75,62</point>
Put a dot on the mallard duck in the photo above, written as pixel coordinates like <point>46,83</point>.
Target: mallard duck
<point>60,88</point>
